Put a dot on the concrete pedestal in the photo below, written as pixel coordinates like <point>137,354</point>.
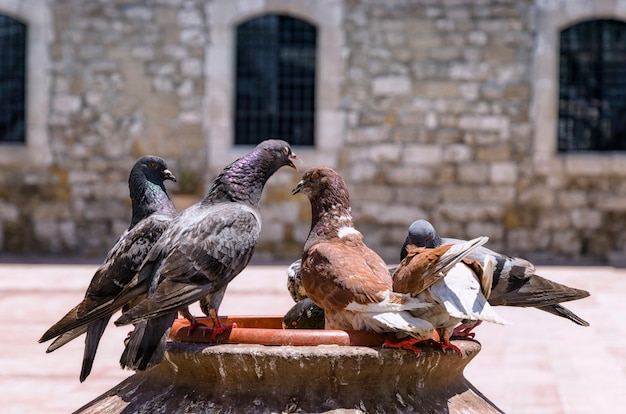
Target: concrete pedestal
<point>246,378</point>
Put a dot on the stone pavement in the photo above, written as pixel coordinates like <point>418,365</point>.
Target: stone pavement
<point>539,364</point>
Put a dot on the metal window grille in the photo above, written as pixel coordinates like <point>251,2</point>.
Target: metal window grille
<point>592,87</point>
<point>12,80</point>
<point>275,80</point>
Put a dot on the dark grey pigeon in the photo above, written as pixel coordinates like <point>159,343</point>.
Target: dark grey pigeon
<point>304,315</point>
<point>152,211</point>
<point>514,281</point>
<point>203,249</point>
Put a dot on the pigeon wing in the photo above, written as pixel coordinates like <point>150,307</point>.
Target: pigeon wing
<point>204,253</point>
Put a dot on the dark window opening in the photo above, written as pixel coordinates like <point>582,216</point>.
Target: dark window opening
<point>275,80</point>
<point>592,87</point>
<point>12,80</point>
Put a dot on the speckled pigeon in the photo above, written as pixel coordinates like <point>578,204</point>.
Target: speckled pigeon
<point>456,287</point>
<point>514,282</point>
<point>152,211</point>
<point>202,250</point>
<point>341,274</point>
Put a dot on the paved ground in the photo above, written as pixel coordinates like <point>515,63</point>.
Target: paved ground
<point>540,364</point>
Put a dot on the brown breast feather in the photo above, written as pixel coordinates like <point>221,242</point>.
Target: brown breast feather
<point>335,275</point>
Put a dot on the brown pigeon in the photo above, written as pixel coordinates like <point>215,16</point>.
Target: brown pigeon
<point>515,282</point>
<point>202,250</point>
<point>341,274</point>
<point>152,211</point>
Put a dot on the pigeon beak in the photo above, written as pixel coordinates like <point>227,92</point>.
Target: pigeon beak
<point>292,158</point>
<point>297,188</point>
<point>167,175</point>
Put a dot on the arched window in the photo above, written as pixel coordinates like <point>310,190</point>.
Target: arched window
<point>12,80</point>
<point>275,80</point>
<point>592,87</point>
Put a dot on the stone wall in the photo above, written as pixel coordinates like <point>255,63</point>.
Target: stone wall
<point>435,110</point>
<point>439,97</point>
<point>126,80</point>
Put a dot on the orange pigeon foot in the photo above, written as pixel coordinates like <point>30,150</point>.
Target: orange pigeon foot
<point>407,343</point>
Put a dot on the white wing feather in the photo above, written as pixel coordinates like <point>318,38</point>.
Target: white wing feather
<point>462,296</point>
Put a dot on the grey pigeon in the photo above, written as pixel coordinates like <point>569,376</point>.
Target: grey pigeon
<point>515,282</point>
<point>202,250</point>
<point>152,211</point>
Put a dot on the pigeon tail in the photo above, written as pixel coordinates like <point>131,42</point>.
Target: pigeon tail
<point>92,339</point>
<point>66,337</point>
<point>562,311</point>
<point>147,342</point>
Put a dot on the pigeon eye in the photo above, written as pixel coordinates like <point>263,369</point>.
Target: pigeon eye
<point>294,323</point>
<point>285,150</point>
<point>154,165</point>
<point>315,176</point>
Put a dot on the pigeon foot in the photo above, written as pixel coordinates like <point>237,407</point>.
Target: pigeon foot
<point>218,327</point>
<point>464,330</point>
<point>408,343</point>
<point>445,345</point>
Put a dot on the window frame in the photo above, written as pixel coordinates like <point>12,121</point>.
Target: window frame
<point>20,77</point>
<point>330,118</point>
<point>578,102</point>
<point>280,120</point>
<point>36,150</point>
<point>550,18</point>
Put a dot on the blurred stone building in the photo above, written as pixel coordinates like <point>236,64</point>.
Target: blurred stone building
<point>503,118</point>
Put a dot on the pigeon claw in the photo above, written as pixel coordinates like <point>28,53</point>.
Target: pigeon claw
<point>445,345</point>
<point>408,343</point>
<point>218,329</point>
<point>464,330</point>
<point>195,325</point>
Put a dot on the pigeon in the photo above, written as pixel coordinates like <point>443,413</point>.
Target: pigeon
<point>304,315</point>
<point>456,287</point>
<point>152,211</point>
<point>515,282</point>
<point>202,250</point>
<point>341,275</point>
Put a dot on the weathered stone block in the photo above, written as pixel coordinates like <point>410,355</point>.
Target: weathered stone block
<point>392,85</point>
<point>504,172</point>
<point>437,89</point>
<point>473,173</point>
<point>422,154</point>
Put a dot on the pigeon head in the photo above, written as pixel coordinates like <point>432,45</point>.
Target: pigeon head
<point>330,200</point>
<point>323,184</point>
<point>421,234</point>
<point>153,168</point>
<point>243,180</point>
<point>147,189</point>
<point>279,151</point>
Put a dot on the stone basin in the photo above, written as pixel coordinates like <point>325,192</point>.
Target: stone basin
<point>312,371</point>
